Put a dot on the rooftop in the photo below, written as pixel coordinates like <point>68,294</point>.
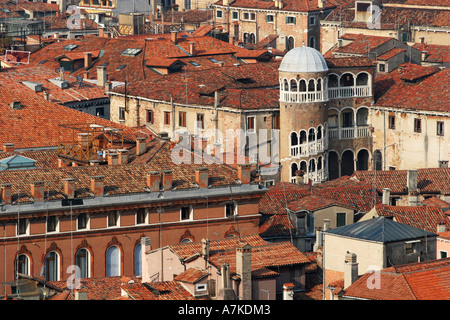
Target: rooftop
<point>380,230</point>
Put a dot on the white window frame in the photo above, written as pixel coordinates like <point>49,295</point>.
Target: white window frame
<point>201,287</point>
<point>27,227</point>
<point>56,227</point>
<point>235,209</point>
<point>291,23</point>
<point>249,16</point>
<point>119,116</point>
<point>88,261</point>
<point>57,265</point>
<point>313,19</point>
<point>145,217</point>
<point>234,12</point>
<point>88,222</point>
<point>273,18</point>
<point>254,124</point>
<point>217,14</point>
<point>191,213</point>
<point>117,214</point>
<point>119,264</point>
<point>27,261</point>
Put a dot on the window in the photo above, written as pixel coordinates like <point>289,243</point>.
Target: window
<point>269,18</point>
<point>200,122</point>
<point>290,20</point>
<point>312,42</point>
<point>121,67</point>
<point>113,219</point>
<point>100,112</point>
<point>166,117</point>
<point>149,116</point>
<point>113,261</point>
<point>138,260</point>
<point>249,16</point>
<point>381,67</point>
<point>219,13</point>
<point>121,113</point>
<point>182,119</point>
<point>309,223</point>
<point>52,223</point>
<point>340,219</point>
<point>22,264</point>
<point>230,209</point>
<point>195,64</point>
<point>186,213</point>
<point>201,287</point>
<point>141,216</point>
<point>51,266</point>
<point>269,183</point>
<point>391,122</point>
<point>131,52</point>
<point>409,247</point>
<point>250,124</point>
<point>82,261</point>
<point>442,254</point>
<point>22,227</point>
<point>276,121</point>
<point>235,15</point>
<point>83,221</point>
<point>391,168</point>
<point>418,125</point>
<point>70,47</point>
<point>312,21</point>
<point>440,128</point>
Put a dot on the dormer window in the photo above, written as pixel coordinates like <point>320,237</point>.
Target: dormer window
<point>70,47</point>
<point>131,52</point>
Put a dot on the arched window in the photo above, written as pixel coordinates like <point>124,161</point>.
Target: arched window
<point>246,37</point>
<point>347,80</point>
<point>311,85</point>
<point>333,81</point>
<point>22,264</point>
<point>294,169</point>
<point>312,42</point>
<point>319,163</point>
<point>302,86</point>
<point>289,43</point>
<point>52,266</point>
<point>319,132</point>
<point>294,85</point>
<point>186,240</point>
<point>113,261</point>
<point>311,135</point>
<point>138,260</point>
<point>285,85</point>
<point>362,79</point>
<point>252,38</point>
<point>312,165</point>
<point>319,84</point>
<point>294,139</point>
<point>82,261</point>
<point>303,137</point>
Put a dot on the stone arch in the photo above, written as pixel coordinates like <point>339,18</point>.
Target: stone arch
<point>347,79</point>
<point>333,80</point>
<point>333,165</point>
<point>362,162</point>
<point>347,163</point>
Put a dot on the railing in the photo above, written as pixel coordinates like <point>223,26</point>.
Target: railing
<point>307,149</point>
<point>347,92</point>
<point>349,133</point>
<point>300,97</point>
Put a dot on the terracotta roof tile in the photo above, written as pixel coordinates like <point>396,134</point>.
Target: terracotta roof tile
<point>435,53</point>
<point>191,275</point>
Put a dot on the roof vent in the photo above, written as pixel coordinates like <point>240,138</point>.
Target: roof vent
<point>60,83</point>
<point>35,86</point>
<point>16,105</point>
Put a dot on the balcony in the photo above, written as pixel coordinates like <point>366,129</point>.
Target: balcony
<point>349,92</point>
<point>349,133</point>
<point>308,149</point>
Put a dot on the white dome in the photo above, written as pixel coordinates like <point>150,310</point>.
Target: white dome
<point>303,59</point>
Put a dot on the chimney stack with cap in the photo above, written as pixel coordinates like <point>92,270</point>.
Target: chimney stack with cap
<point>37,190</point>
<point>69,188</point>
<point>386,196</point>
<point>97,186</point>
<point>87,59</point>
<point>8,147</point>
<point>167,180</point>
<point>201,177</point>
<point>350,269</point>
<point>154,181</point>
<point>413,192</point>
<point>244,270</point>
<point>6,193</point>
<point>244,171</point>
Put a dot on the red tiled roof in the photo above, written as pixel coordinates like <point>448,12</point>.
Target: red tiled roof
<point>44,158</point>
<point>436,202</point>
<point>421,217</point>
<point>435,53</point>
<point>390,54</point>
<point>431,180</point>
<point>288,5</point>
<point>191,275</point>
<point>361,44</point>
<point>313,203</point>
<point>427,280</point>
<point>167,290</point>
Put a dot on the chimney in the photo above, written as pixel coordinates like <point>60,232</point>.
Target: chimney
<point>113,158</point>
<point>154,181</point>
<point>340,43</point>
<point>62,163</point>
<point>350,269</point>
<point>243,270</point>
<point>61,74</point>
<point>69,188</point>
<point>321,4</point>
<point>102,76</point>
<point>8,147</point>
<point>288,291</point>
<point>6,193</point>
<point>86,74</point>
<point>81,294</point>
<point>280,4</point>
<point>167,180</point>
<point>424,55</point>
<point>97,186</point>
<point>201,177</point>
<point>226,2</point>
<point>413,192</point>
<point>244,173</point>
<point>231,39</point>
<point>386,196</point>
<point>87,59</point>
<point>192,50</point>
<point>123,156</point>
<point>326,224</point>
<point>441,227</point>
<point>37,190</point>
<point>108,87</point>
<point>205,248</point>
<point>140,146</point>
<point>174,37</point>
<point>102,33</point>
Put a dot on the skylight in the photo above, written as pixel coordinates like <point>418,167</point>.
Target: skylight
<point>70,47</point>
<point>195,64</point>
<point>121,67</point>
<point>213,60</point>
<point>131,52</point>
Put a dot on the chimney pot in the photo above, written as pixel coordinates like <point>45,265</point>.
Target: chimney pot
<point>205,247</point>
<point>97,186</point>
<point>243,269</point>
<point>174,37</point>
<point>69,188</point>
<point>8,147</point>
<point>87,59</point>
<point>6,193</point>
<point>140,146</point>
<point>167,180</point>
<point>244,171</point>
<point>102,76</point>
<point>113,158</point>
<point>386,196</point>
<point>154,181</point>
<point>123,156</point>
<point>350,269</point>
<point>192,49</point>
<point>201,177</point>
<point>37,190</point>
